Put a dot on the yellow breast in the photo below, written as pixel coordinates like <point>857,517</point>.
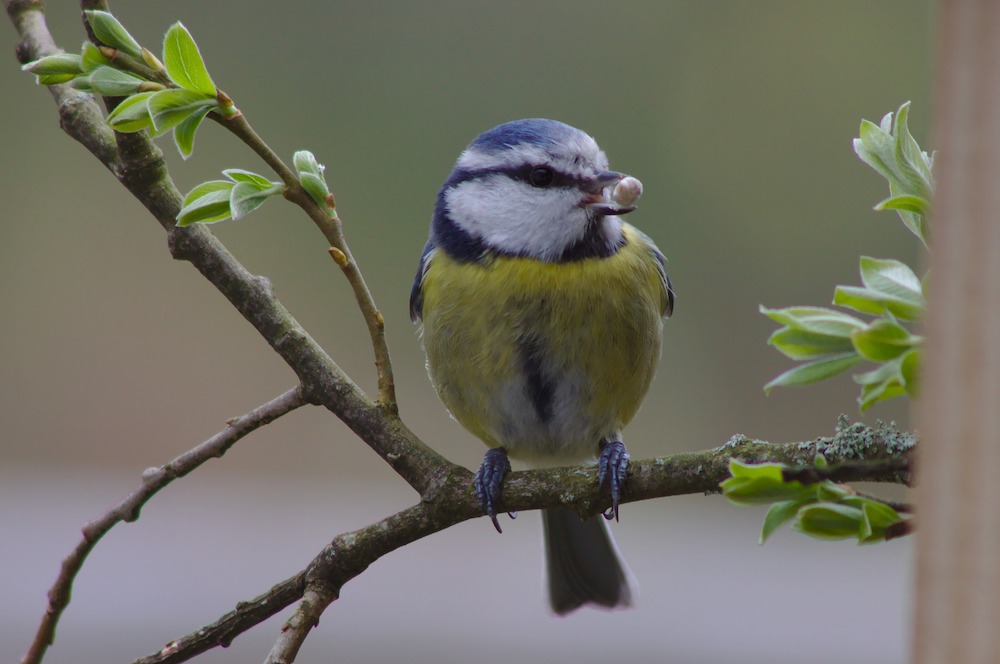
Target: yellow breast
<point>545,359</point>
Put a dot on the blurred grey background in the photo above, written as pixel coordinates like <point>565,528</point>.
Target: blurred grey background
<point>737,117</point>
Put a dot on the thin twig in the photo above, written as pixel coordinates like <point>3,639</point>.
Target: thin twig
<point>232,624</point>
<point>128,509</point>
<point>333,231</point>
<point>899,506</point>
<point>843,471</point>
<point>297,628</point>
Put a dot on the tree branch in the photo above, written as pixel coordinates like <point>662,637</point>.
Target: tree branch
<point>153,479</point>
<point>349,554</point>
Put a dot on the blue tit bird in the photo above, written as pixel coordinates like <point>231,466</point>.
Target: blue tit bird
<point>542,315</point>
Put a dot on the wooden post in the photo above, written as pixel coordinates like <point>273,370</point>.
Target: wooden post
<point>958,494</point>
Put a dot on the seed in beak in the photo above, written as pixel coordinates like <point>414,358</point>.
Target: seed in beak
<point>627,191</point>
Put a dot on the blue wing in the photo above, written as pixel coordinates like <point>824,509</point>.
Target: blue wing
<point>668,288</point>
<point>416,294</point>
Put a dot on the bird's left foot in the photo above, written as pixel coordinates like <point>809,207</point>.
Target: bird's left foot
<point>492,470</point>
<point>612,465</point>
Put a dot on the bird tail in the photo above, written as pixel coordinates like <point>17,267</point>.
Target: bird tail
<point>583,563</point>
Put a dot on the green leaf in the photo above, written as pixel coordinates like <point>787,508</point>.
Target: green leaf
<point>815,371</point>
<point>185,131</point>
<point>111,82</point>
<point>876,392</point>
<point>799,345</point>
<point>81,83</point>
<point>60,64</point>
<point>107,29</point>
<point>184,63</point>
<point>896,156</point>
<point>169,108</point>
<point>827,491</point>
<point>311,177</point>
<point>906,202</point>
<point>240,175</point>
<point>866,531</point>
<point>752,484</point>
<point>909,159</point>
<point>207,203</point>
<point>860,299</point>
<point>901,291</point>
<point>884,382</point>
<point>305,162</point>
<point>877,517</point>
<point>885,371</point>
<point>917,224</point>
<point>818,320</point>
<point>829,520</point>
<point>891,286</point>
<point>92,58</point>
<point>316,187</point>
<point>132,114</point>
<point>909,368</point>
<point>208,187</point>
<point>248,196</point>
<point>779,514</point>
<point>883,340</point>
<point>874,147</point>
<point>54,79</point>
<point>873,138</point>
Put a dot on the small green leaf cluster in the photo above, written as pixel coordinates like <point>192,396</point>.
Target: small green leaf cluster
<point>824,510</point>
<point>217,200</point>
<point>174,95</point>
<point>244,192</point>
<point>828,341</point>
<point>311,178</point>
<point>898,158</point>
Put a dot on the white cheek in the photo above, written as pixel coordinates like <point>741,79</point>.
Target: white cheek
<point>518,218</point>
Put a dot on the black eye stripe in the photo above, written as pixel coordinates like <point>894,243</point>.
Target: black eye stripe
<point>520,173</point>
<point>559,178</point>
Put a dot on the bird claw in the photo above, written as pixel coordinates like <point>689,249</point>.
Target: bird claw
<point>489,477</point>
<point>612,465</point>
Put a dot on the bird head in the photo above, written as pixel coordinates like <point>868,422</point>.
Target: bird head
<point>532,188</point>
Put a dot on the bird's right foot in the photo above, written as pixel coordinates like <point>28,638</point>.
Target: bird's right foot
<point>489,477</point>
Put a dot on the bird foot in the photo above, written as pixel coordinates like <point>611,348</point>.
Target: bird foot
<point>612,466</point>
<point>489,477</point>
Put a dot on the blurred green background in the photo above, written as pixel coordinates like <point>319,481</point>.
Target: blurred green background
<point>737,117</point>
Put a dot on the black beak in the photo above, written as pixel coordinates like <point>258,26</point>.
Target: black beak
<point>604,208</point>
<point>603,180</point>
